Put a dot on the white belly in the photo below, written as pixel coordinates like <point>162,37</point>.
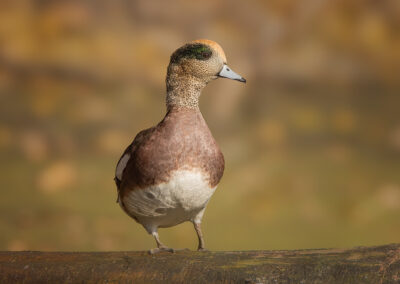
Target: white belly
<point>183,198</point>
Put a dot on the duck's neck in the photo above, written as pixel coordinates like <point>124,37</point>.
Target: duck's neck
<point>183,91</point>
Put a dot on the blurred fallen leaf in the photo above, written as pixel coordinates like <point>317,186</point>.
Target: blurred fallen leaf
<point>344,121</point>
<point>272,132</point>
<point>394,139</point>
<point>307,119</point>
<point>113,141</point>
<point>57,177</point>
<point>389,196</point>
<point>5,136</point>
<point>16,245</point>
<point>34,145</point>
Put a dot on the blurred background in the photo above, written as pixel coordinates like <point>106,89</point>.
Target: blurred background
<point>311,142</point>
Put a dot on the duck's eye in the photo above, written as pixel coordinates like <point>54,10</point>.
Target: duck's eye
<point>206,54</point>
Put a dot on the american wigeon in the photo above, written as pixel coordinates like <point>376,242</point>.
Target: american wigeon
<point>170,171</point>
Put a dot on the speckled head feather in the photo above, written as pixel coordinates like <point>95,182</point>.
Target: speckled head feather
<point>191,68</point>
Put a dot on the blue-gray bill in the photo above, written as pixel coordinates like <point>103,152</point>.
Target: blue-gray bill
<point>227,72</point>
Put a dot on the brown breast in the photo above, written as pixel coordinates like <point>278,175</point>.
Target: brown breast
<point>181,140</point>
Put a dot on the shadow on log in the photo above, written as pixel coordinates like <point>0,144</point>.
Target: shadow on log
<point>358,265</point>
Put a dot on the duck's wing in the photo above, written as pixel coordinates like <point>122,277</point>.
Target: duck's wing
<point>123,161</point>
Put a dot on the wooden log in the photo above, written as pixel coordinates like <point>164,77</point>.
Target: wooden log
<point>379,264</point>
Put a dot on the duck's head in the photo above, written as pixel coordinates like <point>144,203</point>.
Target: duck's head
<point>191,67</point>
<point>203,59</point>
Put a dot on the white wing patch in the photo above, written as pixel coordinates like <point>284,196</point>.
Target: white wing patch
<point>121,165</point>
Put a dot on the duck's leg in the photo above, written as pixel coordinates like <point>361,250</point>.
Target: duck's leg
<point>197,227</point>
<point>160,245</point>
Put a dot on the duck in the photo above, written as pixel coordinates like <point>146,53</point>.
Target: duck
<point>168,174</point>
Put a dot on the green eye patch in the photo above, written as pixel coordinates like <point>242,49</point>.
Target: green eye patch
<point>192,51</point>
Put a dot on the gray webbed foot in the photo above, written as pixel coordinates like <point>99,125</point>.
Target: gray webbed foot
<point>161,249</point>
<point>160,246</point>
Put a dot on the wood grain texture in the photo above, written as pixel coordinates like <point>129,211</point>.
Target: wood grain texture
<point>357,265</point>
